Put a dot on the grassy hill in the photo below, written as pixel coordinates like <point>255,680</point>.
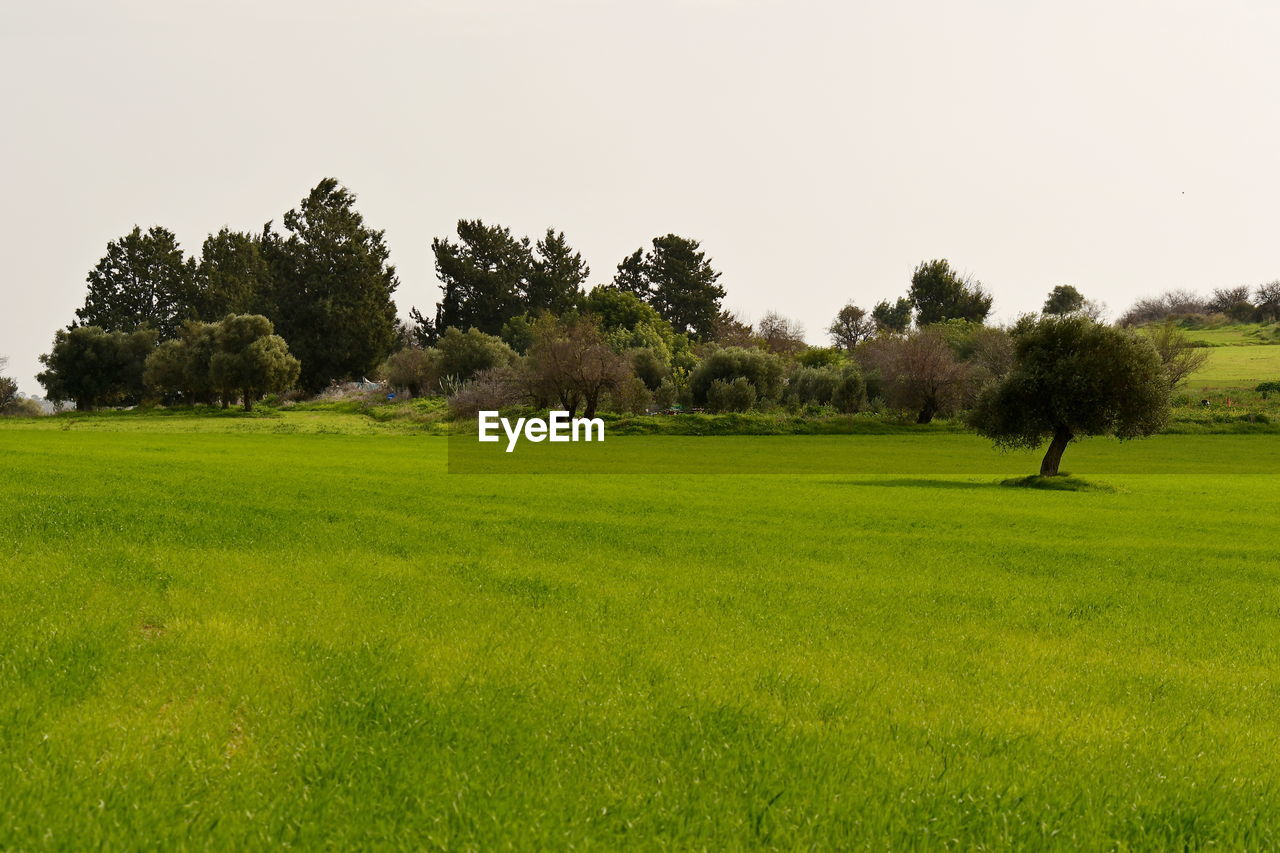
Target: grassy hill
<point>1240,356</point>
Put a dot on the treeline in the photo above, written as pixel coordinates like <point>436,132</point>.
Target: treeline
<point>311,303</point>
<point>1241,304</point>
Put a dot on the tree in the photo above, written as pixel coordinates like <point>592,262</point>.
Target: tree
<point>1179,357</point>
<point>781,335</point>
<point>464,354</point>
<point>570,362</point>
<point>920,372</point>
<point>332,287</point>
<point>181,365</point>
<point>762,369</point>
<point>1230,300</point>
<point>485,276</point>
<point>143,280</point>
<point>422,330</point>
<point>631,276</point>
<point>939,293</point>
<point>676,278</point>
<point>94,367</point>
<point>8,387</point>
<point>851,327</point>
<point>892,316</point>
<point>251,358</point>
<point>1071,378</point>
<point>232,277</point>
<point>1268,301</point>
<point>1063,299</point>
<point>729,330</point>
<point>415,369</point>
<point>556,276</point>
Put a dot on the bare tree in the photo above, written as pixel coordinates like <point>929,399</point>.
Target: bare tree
<point>781,335</point>
<point>851,327</point>
<point>920,372</point>
<point>570,362</point>
<point>1179,357</point>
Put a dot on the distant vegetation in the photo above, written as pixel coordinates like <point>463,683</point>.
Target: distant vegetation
<point>308,307</point>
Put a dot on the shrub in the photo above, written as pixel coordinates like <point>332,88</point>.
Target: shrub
<point>736,396</point>
<point>465,354</point>
<point>490,390</point>
<point>414,369</point>
<point>666,395</point>
<point>21,407</point>
<point>631,397</point>
<point>762,370</point>
<point>649,367</point>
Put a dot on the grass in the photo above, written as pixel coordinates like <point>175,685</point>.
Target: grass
<point>1238,367</point>
<point>243,641</point>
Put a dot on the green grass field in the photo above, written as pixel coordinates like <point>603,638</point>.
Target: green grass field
<point>1241,355</point>
<point>243,641</point>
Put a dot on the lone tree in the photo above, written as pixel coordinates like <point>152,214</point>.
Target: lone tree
<point>1071,378</point>
<point>1063,299</point>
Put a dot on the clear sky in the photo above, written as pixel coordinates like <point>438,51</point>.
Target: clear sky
<point>819,150</point>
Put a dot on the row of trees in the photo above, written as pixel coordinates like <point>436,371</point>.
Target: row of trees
<point>1241,304</point>
<point>239,356</point>
<point>491,277</point>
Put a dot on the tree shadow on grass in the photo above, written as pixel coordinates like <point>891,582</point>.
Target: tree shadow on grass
<point>1060,483</point>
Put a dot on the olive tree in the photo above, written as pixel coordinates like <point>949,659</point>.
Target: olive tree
<point>251,358</point>
<point>1071,378</point>
<point>920,372</point>
<point>571,362</point>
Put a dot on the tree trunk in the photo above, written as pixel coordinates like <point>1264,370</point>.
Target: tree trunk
<point>225,402</point>
<point>248,401</point>
<point>1053,456</point>
<point>927,413</point>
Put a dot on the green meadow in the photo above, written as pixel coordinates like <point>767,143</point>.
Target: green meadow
<point>317,637</point>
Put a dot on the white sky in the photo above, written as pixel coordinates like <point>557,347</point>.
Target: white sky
<point>819,150</point>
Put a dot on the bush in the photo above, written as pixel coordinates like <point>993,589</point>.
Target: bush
<point>490,390</point>
<point>465,354</point>
<point>631,397</point>
<point>736,396</point>
<point>21,407</point>
<point>666,395</point>
<point>761,370</point>
<point>841,388</point>
<point>649,367</point>
<point>1267,388</point>
<point>416,370</point>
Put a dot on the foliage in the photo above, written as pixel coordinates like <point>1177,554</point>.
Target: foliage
<point>464,354</point>
<point>94,367</point>
<point>842,388</point>
<point>920,372</point>
<point>892,316</point>
<point>780,335</point>
<point>415,369</point>
<point>8,387</point>
<point>1071,378</point>
<point>851,327</point>
<point>181,365</point>
<point>677,279</point>
<point>571,363</point>
<point>1173,304</point>
<point>1178,355</point>
<point>492,389</point>
<point>556,276</point>
<point>517,333</point>
<point>737,395</point>
<point>250,358</point>
<point>1063,299</point>
<point>143,280</point>
<point>729,330</point>
<point>821,357</point>
<point>763,370</point>
<point>232,277</point>
<point>332,287</point>
<point>940,293</point>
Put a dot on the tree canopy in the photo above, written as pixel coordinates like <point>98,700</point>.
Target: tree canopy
<point>676,277</point>
<point>1072,377</point>
<point>1063,299</point>
<point>143,280</point>
<point>332,287</point>
<point>939,293</point>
